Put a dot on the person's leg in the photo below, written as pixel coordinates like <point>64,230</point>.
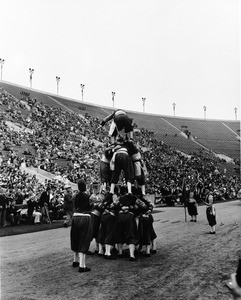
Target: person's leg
<point>101,250</point>
<point>129,187</point>
<point>82,265</point>
<point>107,250</point>
<point>112,132</point>
<point>148,250</point>
<point>128,170</point>
<point>96,246</point>
<point>112,188</point>
<point>132,252</point>
<point>153,246</point>
<point>81,260</point>
<point>143,189</point>
<point>76,260</point>
<point>115,175</point>
<point>120,249</point>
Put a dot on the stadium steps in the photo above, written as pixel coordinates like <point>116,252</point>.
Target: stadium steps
<point>42,175</point>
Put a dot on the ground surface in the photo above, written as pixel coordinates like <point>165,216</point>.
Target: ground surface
<point>189,263</point>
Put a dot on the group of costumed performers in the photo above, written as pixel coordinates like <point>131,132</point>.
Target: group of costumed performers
<point>115,214</point>
<point>122,155</point>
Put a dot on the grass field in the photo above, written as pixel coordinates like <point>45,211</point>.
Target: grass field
<point>189,264</point>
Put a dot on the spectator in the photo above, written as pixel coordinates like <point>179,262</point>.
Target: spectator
<point>3,206</point>
<point>54,133</point>
<point>33,211</point>
<point>44,204</point>
<point>68,206</point>
<point>12,213</point>
<point>56,208</point>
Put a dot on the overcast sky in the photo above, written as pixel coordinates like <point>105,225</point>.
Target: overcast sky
<point>168,51</point>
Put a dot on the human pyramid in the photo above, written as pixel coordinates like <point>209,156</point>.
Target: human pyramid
<point>119,215</point>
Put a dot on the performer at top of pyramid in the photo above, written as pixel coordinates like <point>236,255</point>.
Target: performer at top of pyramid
<point>122,125</point>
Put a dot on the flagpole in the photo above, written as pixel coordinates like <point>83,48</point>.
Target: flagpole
<point>185,212</point>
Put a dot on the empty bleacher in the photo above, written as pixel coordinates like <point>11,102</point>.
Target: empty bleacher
<point>234,126</point>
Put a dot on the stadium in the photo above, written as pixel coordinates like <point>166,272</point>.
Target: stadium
<point>51,140</point>
<point>120,150</point>
<point>213,142</point>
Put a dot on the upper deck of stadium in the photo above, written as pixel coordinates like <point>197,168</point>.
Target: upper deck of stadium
<point>222,137</point>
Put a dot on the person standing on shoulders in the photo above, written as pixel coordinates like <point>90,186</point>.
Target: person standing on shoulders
<point>121,125</point>
<point>121,161</point>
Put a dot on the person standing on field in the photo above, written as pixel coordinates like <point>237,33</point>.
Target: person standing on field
<point>211,214</point>
<point>192,207</point>
<point>81,232</point>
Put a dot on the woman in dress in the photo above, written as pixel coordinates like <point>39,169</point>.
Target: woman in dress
<point>211,214</point>
<point>192,207</point>
<point>82,229</point>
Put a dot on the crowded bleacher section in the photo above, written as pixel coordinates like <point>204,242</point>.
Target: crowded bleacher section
<point>48,146</point>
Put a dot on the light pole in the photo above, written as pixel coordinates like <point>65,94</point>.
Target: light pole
<point>82,90</point>
<point>204,109</point>
<point>113,98</point>
<point>144,102</point>
<point>174,108</point>
<point>57,80</point>
<point>31,71</point>
<point>235,111</point>
<point>2,62</point>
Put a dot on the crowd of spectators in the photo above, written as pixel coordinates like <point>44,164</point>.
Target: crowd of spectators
<point>69,146</point>
<point>170,169</point>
